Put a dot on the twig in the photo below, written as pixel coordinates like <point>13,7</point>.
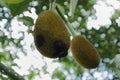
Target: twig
<point>10,72</point>
<point>69,27</point>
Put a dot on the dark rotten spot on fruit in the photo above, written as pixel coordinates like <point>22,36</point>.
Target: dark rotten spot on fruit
<point>39,41</point>
<point>60,49</point>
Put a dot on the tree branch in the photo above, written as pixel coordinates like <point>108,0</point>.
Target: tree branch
<point>10,72</point>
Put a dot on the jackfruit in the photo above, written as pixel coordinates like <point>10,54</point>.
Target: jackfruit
<point>51,36</point>
<point>84,52</point>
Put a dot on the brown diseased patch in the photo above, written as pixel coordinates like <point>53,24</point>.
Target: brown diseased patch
<point>61,49</point>
<point>39,40</point>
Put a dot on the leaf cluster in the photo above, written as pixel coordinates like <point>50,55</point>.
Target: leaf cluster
<point>106,39</point>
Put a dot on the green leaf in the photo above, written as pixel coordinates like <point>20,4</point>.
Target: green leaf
<point>58,74</point>
<point>61,8</point>
<point>28,21</point>
<point>2,4</point>
<point>17,9</point>
<point>41,4</point>
<point>73,4</point>
<point>61,1</point>
<point>13,1</point>
<point>86,4</point>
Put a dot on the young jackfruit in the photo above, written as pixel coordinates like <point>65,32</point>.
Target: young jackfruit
<point>84,52</point>
<point>51,36</point>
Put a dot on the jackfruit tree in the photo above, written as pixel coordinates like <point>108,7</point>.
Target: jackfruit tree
<point>59,39</point>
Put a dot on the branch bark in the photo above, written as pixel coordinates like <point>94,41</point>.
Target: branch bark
<point>10,72</point>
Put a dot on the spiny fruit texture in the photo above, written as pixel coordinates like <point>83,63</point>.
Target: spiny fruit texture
<point>84,52</point>
<point>51,37</point>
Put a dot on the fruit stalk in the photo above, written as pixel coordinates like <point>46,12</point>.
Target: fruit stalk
<point>69,27</point>
<point>52,4</point>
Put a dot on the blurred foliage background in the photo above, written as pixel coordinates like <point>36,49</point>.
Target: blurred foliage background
<point>17,18</point>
